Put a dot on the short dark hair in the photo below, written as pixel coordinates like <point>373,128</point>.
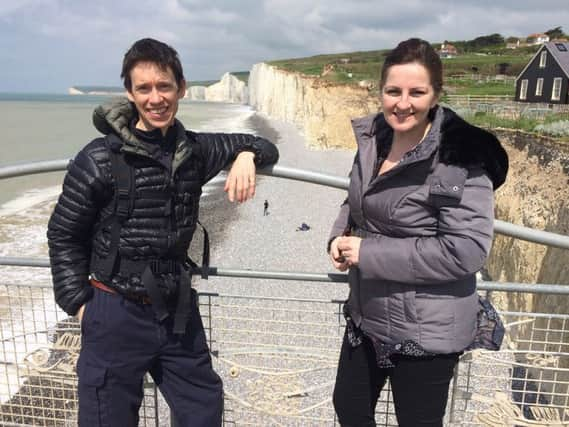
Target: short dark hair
<point>150,50</point>
<point>419,51</point>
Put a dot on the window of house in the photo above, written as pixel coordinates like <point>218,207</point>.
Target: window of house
<point>542,59</point>
<point>556,92</point>
<point>524,89</point>
<point>561,47</point>
<point>539,87</point>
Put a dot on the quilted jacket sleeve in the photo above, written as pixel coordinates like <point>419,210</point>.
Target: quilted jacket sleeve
<point>459,248</point>
<point>342,223</point>
<point>220,149</point>
<point>69,232</point>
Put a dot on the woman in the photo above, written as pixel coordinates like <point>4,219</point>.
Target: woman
<point>413,232</point>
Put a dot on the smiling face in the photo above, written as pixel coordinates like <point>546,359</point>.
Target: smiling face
<point>406,97</point>
<point>155,94</point>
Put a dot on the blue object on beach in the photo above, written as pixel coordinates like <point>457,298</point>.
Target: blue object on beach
<point>303,227</point>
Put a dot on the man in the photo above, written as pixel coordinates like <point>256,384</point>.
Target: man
<point>118,241</point>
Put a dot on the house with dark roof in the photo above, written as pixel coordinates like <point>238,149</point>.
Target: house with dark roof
<point>546,76</point>
<point>447,50</point>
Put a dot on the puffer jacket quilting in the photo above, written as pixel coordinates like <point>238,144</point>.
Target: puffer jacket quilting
<point>427,228</point>
<point>154,229</point>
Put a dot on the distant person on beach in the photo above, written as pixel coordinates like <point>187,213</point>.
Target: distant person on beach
<point>266,208</point>
<point>118,242</point>
<point>416,227</point>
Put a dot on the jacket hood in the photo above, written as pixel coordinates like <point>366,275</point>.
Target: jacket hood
<point>115,117</point>
<point>467,145</point>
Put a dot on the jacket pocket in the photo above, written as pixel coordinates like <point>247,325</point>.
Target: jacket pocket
<point>412,208</point>
<point>93,398</point>
<point>90,375</point>
<point>435,314</point>
<point>447,185</point>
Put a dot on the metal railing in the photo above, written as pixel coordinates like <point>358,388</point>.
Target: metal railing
<point>500,227</point>
<point>278,356</point>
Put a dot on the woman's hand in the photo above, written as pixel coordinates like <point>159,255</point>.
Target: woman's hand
<point>349,248</point>
<point>240,183</point>
<point>338,261</point>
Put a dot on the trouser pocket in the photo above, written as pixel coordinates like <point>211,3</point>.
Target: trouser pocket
<point>93,405</point>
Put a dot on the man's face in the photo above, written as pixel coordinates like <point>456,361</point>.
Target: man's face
<point>156,94</point>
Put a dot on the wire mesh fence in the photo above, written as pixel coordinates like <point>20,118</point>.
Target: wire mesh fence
<point>39,349</point>
<point>277,358</point>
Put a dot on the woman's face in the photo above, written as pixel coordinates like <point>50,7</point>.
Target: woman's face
<point>406,98</point>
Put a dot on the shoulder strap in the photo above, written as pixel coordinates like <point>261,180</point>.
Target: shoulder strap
<point>124,194</point>
<point>205,252</point>
<point>123,199</point>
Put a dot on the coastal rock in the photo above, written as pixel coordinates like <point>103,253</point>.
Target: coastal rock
<point>196,93</point>
<point>320,109</point>
<point>74,91</point>
<point>228,89</point>
<point>535,193</point>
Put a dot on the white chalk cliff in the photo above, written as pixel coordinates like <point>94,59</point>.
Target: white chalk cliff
<point>535,193</point>
<point>196,93</point>
<point>321,110</point>
<point>228,89</point>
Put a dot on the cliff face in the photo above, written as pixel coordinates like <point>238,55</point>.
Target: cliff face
<point>228,89</point>
<point>321,110</point>
<point>535,195</point>
<point>196,93</point>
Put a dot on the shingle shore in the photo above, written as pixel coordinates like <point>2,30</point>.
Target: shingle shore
<point>242,238</point>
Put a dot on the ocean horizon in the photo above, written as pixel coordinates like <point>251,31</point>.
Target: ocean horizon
<point>42,126</point>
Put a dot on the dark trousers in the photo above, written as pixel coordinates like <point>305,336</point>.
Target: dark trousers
<point>419,387</point>
<point>121,341</point>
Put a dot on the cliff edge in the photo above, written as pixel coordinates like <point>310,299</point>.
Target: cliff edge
<point>321,110</point>
<point>535,195</point>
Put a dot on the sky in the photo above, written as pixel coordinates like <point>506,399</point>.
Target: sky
<point>49,45</point>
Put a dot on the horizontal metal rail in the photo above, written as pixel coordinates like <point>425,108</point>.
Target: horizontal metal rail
<point>535,288</point>
<point>500,227</point>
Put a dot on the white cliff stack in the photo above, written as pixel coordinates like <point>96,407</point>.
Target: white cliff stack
<point>228,89</point>
<point>320,109</point>
<point>196,93</point>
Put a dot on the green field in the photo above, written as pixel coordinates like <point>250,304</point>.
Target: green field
<point>488,72</point>
<point>353,67</point>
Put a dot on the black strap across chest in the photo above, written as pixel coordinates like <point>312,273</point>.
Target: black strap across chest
<point>124,197</point>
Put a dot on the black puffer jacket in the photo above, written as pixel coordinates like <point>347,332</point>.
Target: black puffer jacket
<point>78,230</point>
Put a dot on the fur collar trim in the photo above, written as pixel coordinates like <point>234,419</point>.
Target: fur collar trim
<point>461,143</point>
<point>466,145</point>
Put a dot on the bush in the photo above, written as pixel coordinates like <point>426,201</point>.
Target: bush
<point>560,128</point>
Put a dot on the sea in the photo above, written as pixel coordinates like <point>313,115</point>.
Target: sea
<point>38,127</point>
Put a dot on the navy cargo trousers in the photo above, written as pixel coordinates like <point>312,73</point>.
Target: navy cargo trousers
<point>121,341</point>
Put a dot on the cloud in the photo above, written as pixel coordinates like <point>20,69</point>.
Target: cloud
<point>76,42</point>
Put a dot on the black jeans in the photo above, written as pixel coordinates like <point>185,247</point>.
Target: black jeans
<point>121,341</point>
<point>419,387</point>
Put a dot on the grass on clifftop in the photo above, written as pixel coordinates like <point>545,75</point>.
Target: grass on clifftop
<point>354,67</point>
<point>488,72</point>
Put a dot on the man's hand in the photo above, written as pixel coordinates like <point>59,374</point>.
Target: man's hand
<point>240,183</point>
<point>80,313</point>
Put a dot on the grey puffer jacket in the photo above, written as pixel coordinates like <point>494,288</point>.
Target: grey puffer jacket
<point>157,229</point>
<point>427,228</point>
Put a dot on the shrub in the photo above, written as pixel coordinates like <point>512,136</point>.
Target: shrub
<point>560,128</point>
